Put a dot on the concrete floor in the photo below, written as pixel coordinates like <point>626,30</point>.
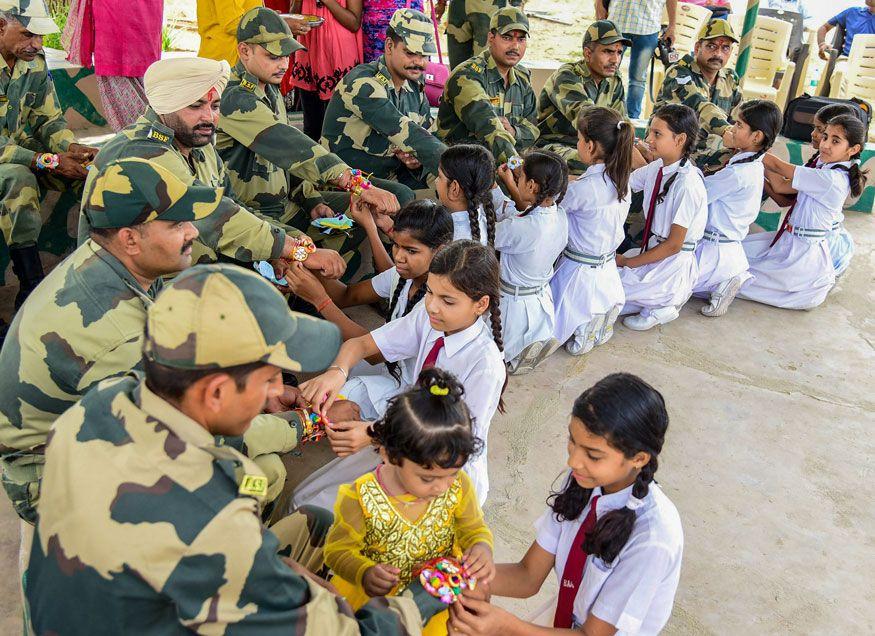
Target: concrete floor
<point>768,458</point>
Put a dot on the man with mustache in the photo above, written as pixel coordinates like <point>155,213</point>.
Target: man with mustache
<point>39,151</point>
<point>575,86</point>
<point>489,99</point>
<point>379,116</point>
<point>273,166</point>
<point>701,81</point>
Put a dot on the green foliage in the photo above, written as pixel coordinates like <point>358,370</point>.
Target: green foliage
<point>168,37</point>
<point>60,12</point>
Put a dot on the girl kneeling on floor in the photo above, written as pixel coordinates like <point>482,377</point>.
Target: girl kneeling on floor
<point>659,278</point>
<point>587,290</point>
<point>793,267</point>
<point>446,331</point>
<point>613,538</point>
<point>417,505</point>
<point>466,174</point>
<point>529,244</point>
<point>734,200</point>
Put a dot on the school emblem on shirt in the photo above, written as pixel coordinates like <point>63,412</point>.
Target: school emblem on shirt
<point>245,83</point>
<point>158,136</point>
<point>253,486</point>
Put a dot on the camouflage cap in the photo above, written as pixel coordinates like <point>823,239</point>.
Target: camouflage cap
<point>509,19</point>
<point>220,315</point>
<point>415,29</point>
<point>131,191</point>
<point>266,27</point>
<point>604,32</point>
<point>717,28</point>
<point>33,15</point>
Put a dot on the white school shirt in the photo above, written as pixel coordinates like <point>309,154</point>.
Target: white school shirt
<point>462,225</point>
<point>471,355</point>
<point>685,204</point>
<point>385,284</point>
<point>530,244</point>
<point>822,195</point>
<point>635,592</point>
<point>595,215</point>
<point>735,196</point>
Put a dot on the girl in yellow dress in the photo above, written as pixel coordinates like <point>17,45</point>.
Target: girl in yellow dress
<point>418,504</point>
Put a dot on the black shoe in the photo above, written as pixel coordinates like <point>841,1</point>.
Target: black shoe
<point>28,267</point>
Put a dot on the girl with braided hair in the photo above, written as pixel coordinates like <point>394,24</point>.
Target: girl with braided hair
<point>610,534</point>
<point>417,504</point>
<point>658,279</point>
<point>529,244</point>
<point>792,268</point>
<point>446,331</point>
<point>466,174</point>
<point>734,200</point>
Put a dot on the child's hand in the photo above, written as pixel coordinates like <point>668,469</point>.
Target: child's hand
<point>303,283</point>
<point>347,438</point>
<point>478,561</point>
<point>620,260</point>
<point>380,579</point>
<point>322,390</point>
<point>506,175</point>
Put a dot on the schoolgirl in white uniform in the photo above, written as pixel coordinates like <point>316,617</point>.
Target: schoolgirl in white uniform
<point>466,173</point>
<point>659,279</point>
<point>448,332</point>
<point>793,268</point>
<point>587,291</point>
<point>611,535</point>
<point>841,243</point>
<point>528,245</point>
<point>734,201</point>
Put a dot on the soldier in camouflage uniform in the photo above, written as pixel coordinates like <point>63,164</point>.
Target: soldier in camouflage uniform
<point>84,323</point>
<point>32,129</point>
<point>575,86</point>
<point>168,140</point>
<point>701,81</point>
<point>468,25</point>
<point>148,526</point>
<point>379,117</point>
<point>489,99</point>
<point>275,168</point>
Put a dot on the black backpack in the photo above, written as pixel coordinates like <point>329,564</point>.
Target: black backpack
<point>799,116</point>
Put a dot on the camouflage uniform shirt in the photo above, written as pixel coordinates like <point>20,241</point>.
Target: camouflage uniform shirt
<point>149,528</point>
<point>261,149</point>
<point>685,84</point>
<point>569,91</point>
<point>30,115</point>
<point>474,99</point>
<point>231,230</point>
<point>368,120</point>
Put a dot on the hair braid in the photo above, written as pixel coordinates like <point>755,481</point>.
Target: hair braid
<point>394,302</point>
<point>489,213</point>
<point>495,321</point>
<point>394,368</point>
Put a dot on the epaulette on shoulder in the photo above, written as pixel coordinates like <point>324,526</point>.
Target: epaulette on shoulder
<point>522,70</point>
<point>247,85</point>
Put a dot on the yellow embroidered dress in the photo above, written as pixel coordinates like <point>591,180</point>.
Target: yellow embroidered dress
<point>372,527</point>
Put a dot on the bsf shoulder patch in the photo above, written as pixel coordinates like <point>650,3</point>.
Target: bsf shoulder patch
<point>245,83</point>
<point>253,486</point>
<point>382,79</point>
<point>158,136</point>
<point>495,101</point>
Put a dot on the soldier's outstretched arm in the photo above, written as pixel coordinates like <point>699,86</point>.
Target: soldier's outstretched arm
<point>471,105</point>
<point>238,233</point>
<point>45,119</point>
<point>526,125</point>
<point>368,100</point>
<point>252,123</point>
<point>232,580</point>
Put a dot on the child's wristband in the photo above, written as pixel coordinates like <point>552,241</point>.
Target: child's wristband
<point>321,306</point>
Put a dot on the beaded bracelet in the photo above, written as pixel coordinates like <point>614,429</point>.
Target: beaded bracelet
<point>358,182</point>
<point>445,578</point>
<point>47,161</point>
<point>312,426</point>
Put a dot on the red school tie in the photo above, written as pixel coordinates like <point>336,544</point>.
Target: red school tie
<point>572,575</point>
<point>431,358</point>
<point>648,221</point>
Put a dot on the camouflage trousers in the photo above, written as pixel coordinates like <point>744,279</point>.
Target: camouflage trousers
<point>301,536</point>
<point>20,191</point>
<point>569,153</point>
<point>22,474</point>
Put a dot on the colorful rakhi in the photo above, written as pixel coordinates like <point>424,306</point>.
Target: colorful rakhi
<point>445,578</point>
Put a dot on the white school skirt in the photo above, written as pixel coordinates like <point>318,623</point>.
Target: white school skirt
<point>525,319</point>
<point>717,263</point>
<point>581,292</point>
<point>666,283</point>
<point>794,274</point>
<point>841,249</point>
